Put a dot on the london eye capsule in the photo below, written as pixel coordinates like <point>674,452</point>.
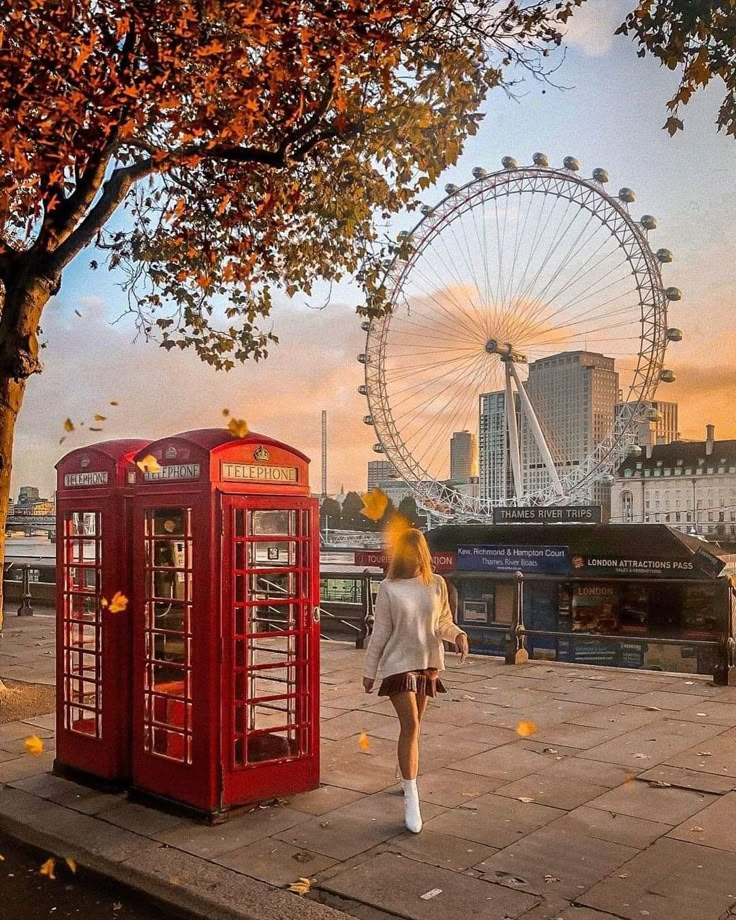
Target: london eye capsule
<point>627,195</point>
<point>365,325</point>
<point>673,293</point>
<point>667,376</point>
<point>451,188</point>
<point>664,256</point>
<point>600,175</point>
<point>479,172</point>
<point>363,358</point>
<point>674,334</point>
<point>367,419</point>
<point>541,159</point>
<point>571,163</point>
<point>363,389</point>
<point>378,449</point>
<point>509,163</point>
<point>649,222</point>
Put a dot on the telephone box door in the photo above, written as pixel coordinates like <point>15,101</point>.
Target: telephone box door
<point>271,635</point>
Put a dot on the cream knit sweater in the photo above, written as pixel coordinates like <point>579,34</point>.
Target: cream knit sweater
<point>411,620</point>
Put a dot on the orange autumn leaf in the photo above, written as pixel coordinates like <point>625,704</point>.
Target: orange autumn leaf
<point>100,418</point>
<point>48,867</point>
<point>33,745</point>
<point>118,603</point>
<point>226,412</point>
<point>395,526</point>
<point>72,864</point>
<point>364,742</point>
<point>149,464</point>
<point>68,425</point>
<point>526,728</point>
<point>375,503</point>
<point>238,427</point>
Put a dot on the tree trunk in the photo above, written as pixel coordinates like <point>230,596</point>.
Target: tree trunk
<point>19,321</point>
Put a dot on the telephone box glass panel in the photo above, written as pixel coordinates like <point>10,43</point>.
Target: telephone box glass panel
<point>270,654</point>
<point>82,622</point>
<point>167,711</point>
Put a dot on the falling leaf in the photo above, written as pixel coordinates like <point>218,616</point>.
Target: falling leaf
<point>100,418</point>
<point>78,313</point>
<point>149,464</point>
<point>226,412</point>
<point>118,603</point>
<point>72,865</point>
<point>2,858</point>
<point>33,745</point>
<point>375,504</point>
<point>48,867</point>
<point>94,429</point>
<point>114,402</point>
<point>68,425</point>
<point>525,799</point>
<point>428,895</point>
<point>238,427</point>
<point>363,742</point>
<point>526,728</point>
<point>61,440</point>
<point>396,525</point>
<point>302,886</point>
<point>103,602</point>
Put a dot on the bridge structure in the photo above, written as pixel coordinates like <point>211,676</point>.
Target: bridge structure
<point>30,523</point>
<point>350,539</point>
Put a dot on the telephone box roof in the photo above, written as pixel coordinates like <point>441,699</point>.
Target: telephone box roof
<point>213,438</point>
<point>115,450</point>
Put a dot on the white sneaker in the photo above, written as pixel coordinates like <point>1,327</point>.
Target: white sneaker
<point>412,812</point>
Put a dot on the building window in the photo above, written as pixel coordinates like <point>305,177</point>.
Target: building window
<point>627,507</point>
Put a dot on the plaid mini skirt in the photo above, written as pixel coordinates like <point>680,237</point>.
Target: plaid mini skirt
<point>423,683</point>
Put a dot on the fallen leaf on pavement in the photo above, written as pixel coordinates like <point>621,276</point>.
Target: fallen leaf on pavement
<point>697,830</point>
<point>363,742</point>
<point>302,886</point>
<point>653,709</point>
<point>550,878</point>
<point>549,750</point>
<point>641,756</point>
<point>659,783</point>
<point>48,867</point>
<point>33,745</point>
<point>525,799</point>
<point>705,754</point>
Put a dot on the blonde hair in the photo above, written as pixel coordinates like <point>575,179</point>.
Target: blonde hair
<point>411,557</point>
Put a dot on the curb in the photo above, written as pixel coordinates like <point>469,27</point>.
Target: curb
<point>175,878</point>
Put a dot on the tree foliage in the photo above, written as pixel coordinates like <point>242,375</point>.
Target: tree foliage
<point>269,135</point>
<point>696,37</point>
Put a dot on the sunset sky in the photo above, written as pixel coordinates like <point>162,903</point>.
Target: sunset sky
<point>609,113</point>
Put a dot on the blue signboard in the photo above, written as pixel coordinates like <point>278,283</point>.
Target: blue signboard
<point>502,558</point>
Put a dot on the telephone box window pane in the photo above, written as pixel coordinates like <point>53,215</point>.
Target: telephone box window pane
<point>82,621</point>
<point>274,585</point>
<point>167,699</point>
<point>273,523</point>
<point>168,522</point>
<point>272,618</point>
<point>272,555</point>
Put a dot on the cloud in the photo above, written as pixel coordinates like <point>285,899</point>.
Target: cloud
<point>706,395</point>
<point>592,27</point>
<point>89,362</point>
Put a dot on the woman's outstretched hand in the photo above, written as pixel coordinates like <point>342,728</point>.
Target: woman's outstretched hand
<point>461,644</point>
<point>368,684</point>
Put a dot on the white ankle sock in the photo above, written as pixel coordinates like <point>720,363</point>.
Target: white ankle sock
<point>412,813</point>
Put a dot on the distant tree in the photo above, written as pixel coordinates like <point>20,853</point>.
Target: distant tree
<point>352,519</point>
<point>408,507</point>
<point>251,142</point>
<point>697,38</point>
<point>330,513</point>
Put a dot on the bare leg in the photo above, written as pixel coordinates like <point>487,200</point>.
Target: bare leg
<point>406,708</point>
<point>422,702</point>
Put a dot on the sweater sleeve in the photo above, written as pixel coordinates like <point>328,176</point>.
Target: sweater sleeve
<point>382,629</point>
<point>447,629</point>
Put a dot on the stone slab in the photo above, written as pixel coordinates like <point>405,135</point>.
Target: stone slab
<point>442,850</point>
<point>652,744</point>
<point>397,885</point>
<point>355,828</point>
<point>275,862</point>
<point>621,716</point>
<point>326,798</point>
<point>715,826</point>
<point>589,771</point>
<point>689,779</point>
<point>671,880</point>
<point>609,825</point>
<point>509,762</point>
<point>559,792</point>
<point>721,760</point>
<point>576,736</point>
<point>710,712</point>
<point>641,800</point>
<point>139,818</point>
<point>555,859</point>
<point>449,788</point>
<point>494,820</point>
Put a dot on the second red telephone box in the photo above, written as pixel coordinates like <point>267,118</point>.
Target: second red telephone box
<point>226,621</point>
<point>93,661</point>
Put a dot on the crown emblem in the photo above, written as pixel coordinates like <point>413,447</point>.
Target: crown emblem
<point>261,454</point>
<point>84,462</point>
<point>171,452</point>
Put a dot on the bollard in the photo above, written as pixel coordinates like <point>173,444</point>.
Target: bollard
<point>366,624</point>
<point>26,604</point>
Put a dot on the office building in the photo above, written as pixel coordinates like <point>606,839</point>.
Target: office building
<point>690,485</point>
<point>495,479</point>
<point>380,471</point>
<point>660,425</point>
<point>28,494</point>
<point>574,395</point>
<point>463,456</point>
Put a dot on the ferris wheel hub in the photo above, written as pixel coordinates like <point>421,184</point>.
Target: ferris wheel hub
<point>505,350</point>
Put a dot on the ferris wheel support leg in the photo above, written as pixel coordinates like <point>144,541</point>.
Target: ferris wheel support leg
<point>513,432</point>
<point>536,428</point>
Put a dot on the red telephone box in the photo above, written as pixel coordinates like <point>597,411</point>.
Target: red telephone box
<point>93,645</point>
<point>226,621</point>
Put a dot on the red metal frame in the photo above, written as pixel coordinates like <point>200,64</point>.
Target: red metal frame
<point>93,657</point>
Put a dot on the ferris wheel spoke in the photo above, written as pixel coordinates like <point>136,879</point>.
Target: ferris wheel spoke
<point>535,242</point>
<point>435,323</point>
<point>418,384</point>
<point>520,234</point>
<point>475,317</point>
<point>483,304</point>
<point>411,370</point>
<point>589,266</point>
<point>607,327</point>
<point>463,319</point>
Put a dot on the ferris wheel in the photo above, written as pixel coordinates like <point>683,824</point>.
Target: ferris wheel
<point>522,295</point>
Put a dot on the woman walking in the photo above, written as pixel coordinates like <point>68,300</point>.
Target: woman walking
<point>412,618</point>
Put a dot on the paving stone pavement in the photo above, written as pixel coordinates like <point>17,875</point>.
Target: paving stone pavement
<point>622,805</point>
